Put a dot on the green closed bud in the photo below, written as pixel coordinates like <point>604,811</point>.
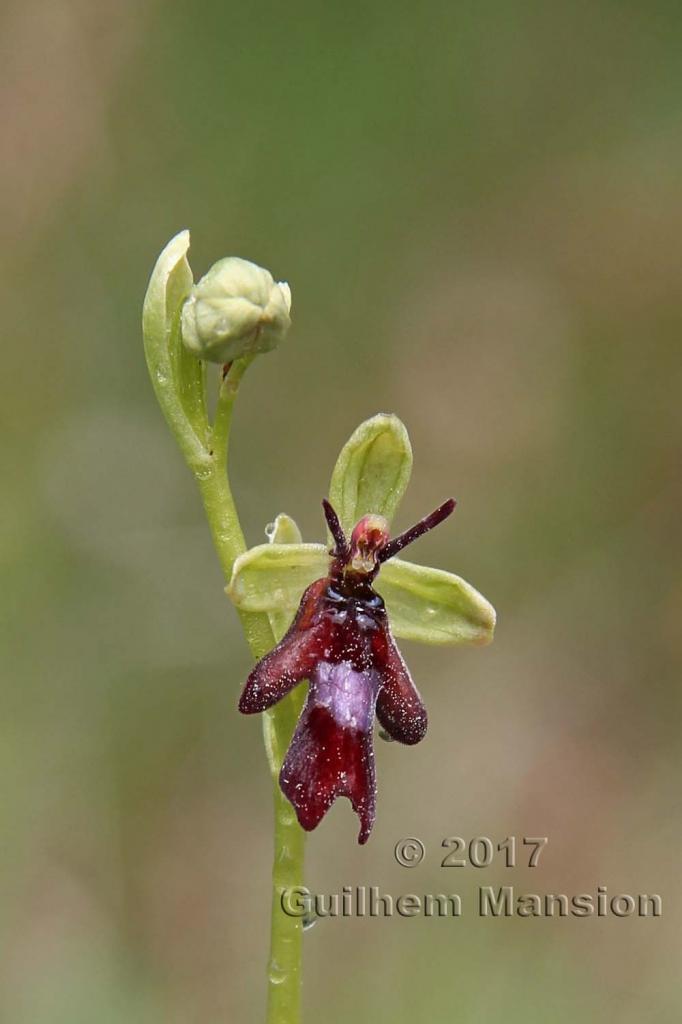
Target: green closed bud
<point>236,309</point>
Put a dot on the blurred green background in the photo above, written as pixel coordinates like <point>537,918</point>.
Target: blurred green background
<point>479,209</point>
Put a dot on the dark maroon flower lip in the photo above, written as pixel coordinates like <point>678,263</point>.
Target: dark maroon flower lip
<point>341,642</point>
<point>326,760</point>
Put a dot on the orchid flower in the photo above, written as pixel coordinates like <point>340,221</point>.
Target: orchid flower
<point>342,635</point>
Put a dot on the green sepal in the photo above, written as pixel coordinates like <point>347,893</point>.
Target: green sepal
<point>272,577</point>
<point>372,471</point>
<point>432,606</point>
<point>177,376</point>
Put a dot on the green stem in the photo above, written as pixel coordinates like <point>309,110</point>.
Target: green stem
<point>221,511</point>
<point>286,932</point>
<point>284,968</point>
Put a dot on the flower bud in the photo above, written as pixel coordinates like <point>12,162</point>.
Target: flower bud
<point>236,309</point>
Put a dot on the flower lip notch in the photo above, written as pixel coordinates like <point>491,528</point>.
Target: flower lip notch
<point>341,641</point>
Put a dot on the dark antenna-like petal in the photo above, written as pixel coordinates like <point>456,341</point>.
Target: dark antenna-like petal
<point>336,530</point>
<point>423,526</point>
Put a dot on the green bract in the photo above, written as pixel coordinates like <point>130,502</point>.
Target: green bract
<point>371,474</point>
<point>177,376</point>
<point>235,310</point>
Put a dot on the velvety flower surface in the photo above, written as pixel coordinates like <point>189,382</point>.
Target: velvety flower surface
<point>341,638</point>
